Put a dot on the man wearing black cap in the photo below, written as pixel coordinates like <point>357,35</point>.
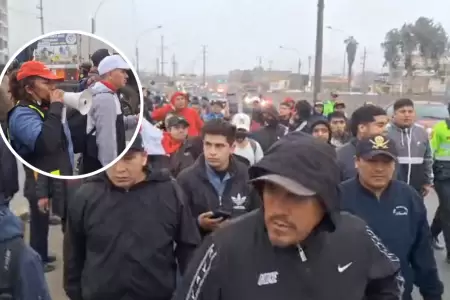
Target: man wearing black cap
<point>395,212</point>
<point>298,246</point>
<point>93,75</point>
<point>121,230</point>
<point>177,145</point>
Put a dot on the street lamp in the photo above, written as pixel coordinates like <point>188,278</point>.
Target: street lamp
<point>93,22</point>
<point>344,71</point>
<point>299,66</point>
<point>136,46</point>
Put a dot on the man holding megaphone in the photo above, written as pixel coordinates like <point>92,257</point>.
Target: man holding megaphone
<point>35,125</point>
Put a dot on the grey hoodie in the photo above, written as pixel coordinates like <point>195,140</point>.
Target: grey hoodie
<point>102,115</point>
<point>414,154</point>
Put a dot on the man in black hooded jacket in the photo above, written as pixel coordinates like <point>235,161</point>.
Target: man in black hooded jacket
<point>126,232</point>
<point>298,246</point>
<point>272,129</point>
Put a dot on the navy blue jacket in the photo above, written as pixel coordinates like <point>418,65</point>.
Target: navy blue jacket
<point>32,284</point>
<point>399,218</point>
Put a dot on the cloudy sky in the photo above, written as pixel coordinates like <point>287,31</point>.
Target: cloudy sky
<point>236,32</point>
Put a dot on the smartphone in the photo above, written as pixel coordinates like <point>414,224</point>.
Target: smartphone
<point>221,214</point>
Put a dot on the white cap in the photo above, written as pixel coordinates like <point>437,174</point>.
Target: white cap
<point>111,63</point>
<point>241,121</point>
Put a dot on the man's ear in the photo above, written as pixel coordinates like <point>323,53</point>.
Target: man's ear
<point>356,162</point>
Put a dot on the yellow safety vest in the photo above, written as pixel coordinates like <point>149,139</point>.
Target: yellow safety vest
<point>42,115</point>
<point>440,141</point>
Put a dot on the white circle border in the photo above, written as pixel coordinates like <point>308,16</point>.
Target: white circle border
<point>141,101</point>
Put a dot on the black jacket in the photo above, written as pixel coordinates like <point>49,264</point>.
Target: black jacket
<point>267,136</point>
<point>238,262</point>
<point>238,196</point>
<point>9,177</point>
<point>119,244</point>
<point>340,259</point>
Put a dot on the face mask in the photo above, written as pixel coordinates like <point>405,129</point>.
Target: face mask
<point>241,135</point>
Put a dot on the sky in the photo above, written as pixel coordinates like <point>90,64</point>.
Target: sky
<point>237,33</point>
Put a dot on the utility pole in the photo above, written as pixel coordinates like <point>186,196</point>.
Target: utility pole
<point>319,50</point>
<point>162,55</point>
<point>299,71</point>
<point>270,65</point>
<point>157,67</point>
<point>174,67</point>
<point>40,7</point>
<point>204,64</point>
<point>364,58</point>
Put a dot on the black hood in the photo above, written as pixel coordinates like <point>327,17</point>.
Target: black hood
<point>317,121</point>
<point>306,160</point>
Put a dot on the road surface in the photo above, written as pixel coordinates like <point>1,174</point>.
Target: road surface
<point>19,204</point>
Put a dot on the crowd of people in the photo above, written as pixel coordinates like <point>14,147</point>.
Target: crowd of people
<point>295,201</point>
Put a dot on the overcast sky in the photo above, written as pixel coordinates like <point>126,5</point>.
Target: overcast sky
<point>236,32</point>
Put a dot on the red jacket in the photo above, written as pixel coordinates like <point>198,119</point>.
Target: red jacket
<point>190,114</point>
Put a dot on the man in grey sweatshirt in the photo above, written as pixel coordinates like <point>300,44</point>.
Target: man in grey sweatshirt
<point>106,125</point>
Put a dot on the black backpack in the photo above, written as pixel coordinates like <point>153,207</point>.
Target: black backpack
<point>77,125</point>
<point>10,255</point>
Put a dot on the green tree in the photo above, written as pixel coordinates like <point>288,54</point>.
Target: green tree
<point>351,48</point>
<point>423,37</point>
<point>432,41</point>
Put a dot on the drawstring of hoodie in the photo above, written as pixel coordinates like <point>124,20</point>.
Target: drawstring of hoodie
<point>408,133</point>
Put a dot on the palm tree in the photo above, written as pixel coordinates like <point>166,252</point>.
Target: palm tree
<point>408,45</point>
<point>351,47</point>
<point>391,46</point>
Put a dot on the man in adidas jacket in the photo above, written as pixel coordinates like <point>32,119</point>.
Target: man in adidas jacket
<point>298,246</point>
<point>415,159</point>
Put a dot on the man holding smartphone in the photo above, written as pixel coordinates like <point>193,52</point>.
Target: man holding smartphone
<point>216,184</point>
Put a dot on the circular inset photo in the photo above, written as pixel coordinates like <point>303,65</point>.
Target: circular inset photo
<point>73,104</point>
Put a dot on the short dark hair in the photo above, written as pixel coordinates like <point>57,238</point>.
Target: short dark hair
<point>364,115</point>
<point>220,127</point>
<point>337,115</point>
<point>403,102</point>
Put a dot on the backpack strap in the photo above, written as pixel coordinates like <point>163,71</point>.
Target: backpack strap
<point>253,144</point>
<point>11,253</point>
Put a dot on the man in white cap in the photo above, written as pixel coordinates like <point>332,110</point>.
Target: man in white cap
<point>247,148</point>
<point>106,124</point>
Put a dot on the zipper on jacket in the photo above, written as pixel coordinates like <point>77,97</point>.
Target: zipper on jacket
<point>301,253</point>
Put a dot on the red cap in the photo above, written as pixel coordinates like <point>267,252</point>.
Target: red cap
<point>36,68</point>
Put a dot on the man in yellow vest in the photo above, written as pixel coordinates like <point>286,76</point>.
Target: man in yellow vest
<point>328,106</point>
<point>440,143</point>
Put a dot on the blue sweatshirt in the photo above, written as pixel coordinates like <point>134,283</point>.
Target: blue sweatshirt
<point>399,218</point>
<point>32,284</point>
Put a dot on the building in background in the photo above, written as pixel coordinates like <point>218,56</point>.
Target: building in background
<point>4,52</point>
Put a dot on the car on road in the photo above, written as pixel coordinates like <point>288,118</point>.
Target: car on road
<point>428,113</point>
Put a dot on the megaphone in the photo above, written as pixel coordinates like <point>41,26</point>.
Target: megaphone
<point>79,101</point>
